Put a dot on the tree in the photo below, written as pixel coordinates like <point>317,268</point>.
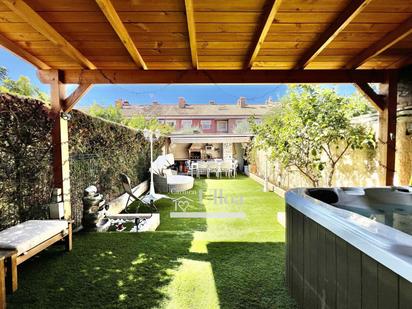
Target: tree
<point>113,113</point>
<point>312,131</point>
<point>22,86</point>
<point>140,122</point>
<point>3,73</point>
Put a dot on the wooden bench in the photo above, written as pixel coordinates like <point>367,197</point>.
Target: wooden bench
<point>21,242</point>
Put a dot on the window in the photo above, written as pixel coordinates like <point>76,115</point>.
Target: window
<point>186,123</point>
<point>258,121</point>
<point>206,124</point>
<point>171,123</point>
<point>222,125</point>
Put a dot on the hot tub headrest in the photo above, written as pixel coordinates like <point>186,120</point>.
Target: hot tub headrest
<point>325,195</point>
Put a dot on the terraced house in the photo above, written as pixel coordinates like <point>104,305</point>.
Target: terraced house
<point>204,131</point>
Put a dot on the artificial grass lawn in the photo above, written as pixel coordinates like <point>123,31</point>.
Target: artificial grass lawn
<point>187,263</point>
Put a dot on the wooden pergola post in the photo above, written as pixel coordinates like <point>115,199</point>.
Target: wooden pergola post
<point>60,140</point>
<point>387,126</point>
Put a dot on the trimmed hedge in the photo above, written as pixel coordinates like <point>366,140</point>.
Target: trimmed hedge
<point>25,159</point>
<point>99,151</point>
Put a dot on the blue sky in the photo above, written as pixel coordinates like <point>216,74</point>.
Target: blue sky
<point>143,94</point>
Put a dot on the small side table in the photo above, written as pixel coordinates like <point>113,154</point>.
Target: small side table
<point>8,274</point>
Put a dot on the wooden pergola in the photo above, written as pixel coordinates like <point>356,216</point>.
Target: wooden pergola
<point>88,42</point>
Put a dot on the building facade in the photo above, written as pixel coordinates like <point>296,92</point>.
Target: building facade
<point>204,131</point>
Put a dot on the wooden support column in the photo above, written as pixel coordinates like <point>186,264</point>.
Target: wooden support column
<point>61,168</point>
<point>387,127</point>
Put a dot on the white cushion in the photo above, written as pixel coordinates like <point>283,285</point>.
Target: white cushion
<point>167,172</point>
<point>27,235</point>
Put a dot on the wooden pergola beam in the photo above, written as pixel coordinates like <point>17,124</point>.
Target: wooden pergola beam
<point>60,140</point>
<point>22,53</point>
<point>340,23</point>
<point>192,32</point>
<point>263,31</point>
<point>387,126</point>
<point>75,96</point>
<point>377,100</point>
<point>31,17</point>
<point>386,42</point>
<point>114,19</point>
<point>215,76</point>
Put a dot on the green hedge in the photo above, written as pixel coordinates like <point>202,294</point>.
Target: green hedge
<point>25,159</point>
<point>99,151</point>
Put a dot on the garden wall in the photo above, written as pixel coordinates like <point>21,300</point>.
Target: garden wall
<point>99,151</point>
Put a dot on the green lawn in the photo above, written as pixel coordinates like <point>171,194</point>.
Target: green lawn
<point>187,263</point>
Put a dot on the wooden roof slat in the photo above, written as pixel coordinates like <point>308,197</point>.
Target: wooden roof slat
<point>350,12</point>
<point>386,42</point>
<point>108,10</point>
<point>22,53</point>
<point>213,35</point>
<point>192,32</point>
<point>216,76</point>
<point>402,62</point>
<point>37,22</point>
<point>263,31</point>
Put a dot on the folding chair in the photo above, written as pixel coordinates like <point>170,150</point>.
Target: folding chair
<point>128,189</point>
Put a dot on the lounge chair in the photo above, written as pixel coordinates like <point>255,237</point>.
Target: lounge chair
<point>24,240</point>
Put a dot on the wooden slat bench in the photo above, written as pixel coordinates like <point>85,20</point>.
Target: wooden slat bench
<point>21,242</point>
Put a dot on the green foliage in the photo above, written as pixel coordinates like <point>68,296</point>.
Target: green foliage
<point>99,151</point>
<point>312,131</point>
<point>140,123</point>
<point>113,113</point>
<point>25,159</point>
<point>359,105</point>
<point>22,86</point>
<point>3,73</point>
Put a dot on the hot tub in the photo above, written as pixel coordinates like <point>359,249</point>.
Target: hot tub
<point>179,183</point>
<point>350,247</point>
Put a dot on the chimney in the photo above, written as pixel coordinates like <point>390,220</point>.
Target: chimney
<point>118,103</point>
<point>212,102</point>
<point>182,102</point>
<point>241,102</point>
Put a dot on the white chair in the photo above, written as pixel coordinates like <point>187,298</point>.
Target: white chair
<point>194,168</point>
<point>202,168</point>
<point>226,167</point>
<point>235,165</point>
<point>214,167</point>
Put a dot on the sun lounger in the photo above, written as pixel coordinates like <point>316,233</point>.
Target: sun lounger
<point>21,242</point>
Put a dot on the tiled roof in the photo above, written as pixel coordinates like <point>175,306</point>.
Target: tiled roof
<point>167,110</point>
